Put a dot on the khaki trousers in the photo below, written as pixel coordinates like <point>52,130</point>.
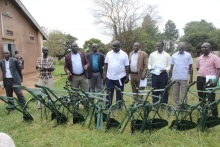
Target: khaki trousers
<point>177,86</point>
<point>135,82</point>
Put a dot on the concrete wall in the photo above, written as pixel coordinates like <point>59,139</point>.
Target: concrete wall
<point>14,19</point>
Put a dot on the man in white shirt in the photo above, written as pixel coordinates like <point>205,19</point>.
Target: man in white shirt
<point>10,69</point>
<point>116,71</point>
<point>161,59</point>
<point>181,65</point>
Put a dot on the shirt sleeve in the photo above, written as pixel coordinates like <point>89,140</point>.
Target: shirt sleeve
<point>190,59</point>
<point>217,62</point>
<point>126,60</point>
<point>149,62</point>
<point>168,62</point>
<point>197,63</point>
<point>106,58</point>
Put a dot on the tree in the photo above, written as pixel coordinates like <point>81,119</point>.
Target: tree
<point>171,35</point>
<point>88,44</point>
<point>198,32</point>
<point>59,43</point>
<point>119,18</point>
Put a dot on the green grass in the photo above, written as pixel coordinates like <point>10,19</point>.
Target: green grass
<point>42,133</point>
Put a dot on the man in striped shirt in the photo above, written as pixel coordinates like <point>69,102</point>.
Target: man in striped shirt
<point>45,66</point>
<point>207,64</point>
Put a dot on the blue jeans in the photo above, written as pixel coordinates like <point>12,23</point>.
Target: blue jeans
<point>110,86</point>
<point>160,82</point>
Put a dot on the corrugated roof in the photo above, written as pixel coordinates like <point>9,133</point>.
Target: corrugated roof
<point>20,4</point>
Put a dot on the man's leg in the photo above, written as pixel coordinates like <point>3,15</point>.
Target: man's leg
<point>50,84</point>
<point>99,82</point>
<point>155,84</point>
<point>176,92</point>
<point>134,84</point>
<point>163,83</point>
<point>92,82</point>
<point>41,82</point>
<point>110,92</point>
<point>118,93</point>
<point>184,86</point>
<point>200,82</point>
<point>84,84</point>
<point>8,88</point>
<point>20,96</point>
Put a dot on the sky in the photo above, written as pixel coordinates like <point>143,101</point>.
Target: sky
<point>73,16</point>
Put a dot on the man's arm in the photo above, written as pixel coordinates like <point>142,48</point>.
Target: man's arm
<point>171,71</point>
<point>127,74</point>
<point>144,73</point>
<point>105,71</point>
<point>190,74</point>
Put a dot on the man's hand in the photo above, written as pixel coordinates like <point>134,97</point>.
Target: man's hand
<point>142,77</point>
<point>68,73</point>
<point>164,70</point>
<point>126,80</point>
<point>213,84</point>
<point>190,81</point>
<point>37,67</point>
<point>85,67</point>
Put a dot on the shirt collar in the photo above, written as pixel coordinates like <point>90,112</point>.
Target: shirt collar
<point>182,53</point>
<point>161,52</point>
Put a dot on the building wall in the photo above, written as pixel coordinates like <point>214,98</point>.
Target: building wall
<point>14,19</point>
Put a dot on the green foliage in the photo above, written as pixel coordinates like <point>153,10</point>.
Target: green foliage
<point>171,35</point>
<point>196,33</point>
<point>101,46</point>
<point>59,43</point>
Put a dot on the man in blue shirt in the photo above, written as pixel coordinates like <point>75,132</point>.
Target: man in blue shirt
<point>95,70</point>
<point>181,66</point>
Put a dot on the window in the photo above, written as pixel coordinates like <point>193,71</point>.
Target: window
<point>10,47</point>
<point>31,38</point>
<point>6,2</point>
<point>9,32</point>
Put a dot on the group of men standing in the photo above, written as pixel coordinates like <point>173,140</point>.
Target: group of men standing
<point>117,68</point>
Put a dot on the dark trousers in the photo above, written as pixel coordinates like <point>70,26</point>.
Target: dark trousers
<point>9,91</point>
<point>200,83</point>
<point>20,73</point>
<point>110,86</point>
<point>160,82</point>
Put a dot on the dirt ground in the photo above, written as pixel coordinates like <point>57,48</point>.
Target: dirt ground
<point>29,80</point>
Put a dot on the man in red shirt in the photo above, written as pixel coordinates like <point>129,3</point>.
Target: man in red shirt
<point>207,64</point>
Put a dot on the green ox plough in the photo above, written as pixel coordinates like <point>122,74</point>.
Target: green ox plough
<point>139,113</point>
<point>13,104</point>
<point>41,94</point>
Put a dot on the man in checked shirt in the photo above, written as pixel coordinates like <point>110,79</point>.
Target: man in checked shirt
<point>207,64</point>
<point>45,66</point>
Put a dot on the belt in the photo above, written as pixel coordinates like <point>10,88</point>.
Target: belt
<point>95,71</point>
<point>78,74</point>
<point>134,72</point>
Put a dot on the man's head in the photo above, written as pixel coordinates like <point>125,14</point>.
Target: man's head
<point>160,46</point>
<point>94,47</point>
<point>181,47</point>
<point>45,51</point>
<point>116,46</point>
<point>136,47</point>
<point>206,47</point>
<point>16,52</point>
<point>74,47</point>
<point>6,54</point>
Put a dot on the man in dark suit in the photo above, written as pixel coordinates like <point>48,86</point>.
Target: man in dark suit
<point>10,69</point>
<point>95,71</point>
<point>75,66</point>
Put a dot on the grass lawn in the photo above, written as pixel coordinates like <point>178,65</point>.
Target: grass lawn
<point>42,133</point>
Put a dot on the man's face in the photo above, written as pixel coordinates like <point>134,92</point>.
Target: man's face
<point>6,55</point>
<point>181,48</point>
<point>205,49</point>
<point>74,48</point>
<point>94,48</point>
<point>115,46</point>
<point>159,47</point>
<point>45,51</point>
<point>136,47</point>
